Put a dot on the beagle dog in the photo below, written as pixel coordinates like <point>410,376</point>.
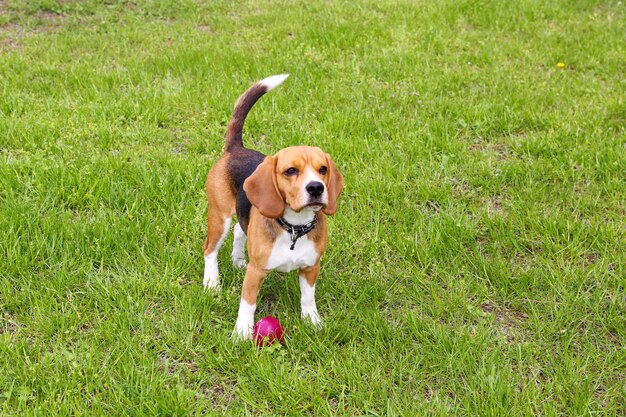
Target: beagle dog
<point>281,202</point>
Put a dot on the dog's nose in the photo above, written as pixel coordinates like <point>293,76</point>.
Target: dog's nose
<point>315,188</point>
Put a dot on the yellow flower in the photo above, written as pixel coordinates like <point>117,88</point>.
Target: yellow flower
<point>560,65</point>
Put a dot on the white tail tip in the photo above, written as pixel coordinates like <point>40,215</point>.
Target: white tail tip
<point>274,81</point>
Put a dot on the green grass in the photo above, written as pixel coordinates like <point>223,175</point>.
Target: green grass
<point>477,260</point>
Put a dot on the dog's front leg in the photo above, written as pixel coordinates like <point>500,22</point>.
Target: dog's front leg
<point>249,293</point>
<point>308,277</point>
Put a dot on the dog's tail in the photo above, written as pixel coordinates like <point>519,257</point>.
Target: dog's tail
<point>243,106</point>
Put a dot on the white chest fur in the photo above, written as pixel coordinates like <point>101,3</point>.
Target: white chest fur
<point>284,259</point>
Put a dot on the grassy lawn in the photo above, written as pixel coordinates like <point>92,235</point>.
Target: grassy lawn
<point>477,263</point>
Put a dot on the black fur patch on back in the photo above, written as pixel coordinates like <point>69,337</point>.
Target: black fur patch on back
<point>241,165</point>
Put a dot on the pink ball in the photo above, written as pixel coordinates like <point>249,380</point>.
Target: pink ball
<point>267,331</point>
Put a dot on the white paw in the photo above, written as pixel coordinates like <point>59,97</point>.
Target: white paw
<point>213,286</point>
<point>242,334</point>
<point>239,262</point>
<point>238,255</point>
<point>211,279</point>
<point>313,317</point>
<point>245,321</point>
<point>307,303</point>
<point>243,330</point>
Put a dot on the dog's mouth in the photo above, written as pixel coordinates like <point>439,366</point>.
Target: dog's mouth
<point>315,206</point>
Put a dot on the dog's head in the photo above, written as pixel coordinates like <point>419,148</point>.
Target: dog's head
<point>298,176</point>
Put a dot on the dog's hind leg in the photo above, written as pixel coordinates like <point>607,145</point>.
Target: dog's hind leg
<point>217,232</point>
<point>238,254</point>
<point>221,210</point>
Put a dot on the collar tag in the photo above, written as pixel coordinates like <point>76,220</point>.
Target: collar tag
<point>294,238</point>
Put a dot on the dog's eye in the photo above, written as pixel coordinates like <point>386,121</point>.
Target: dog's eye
<point>323,170</point>
<point>291,171</point>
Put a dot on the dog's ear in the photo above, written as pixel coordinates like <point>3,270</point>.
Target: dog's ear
<point>262,191</point>
<point>335,185</point>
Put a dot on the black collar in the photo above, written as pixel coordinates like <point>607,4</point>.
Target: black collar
<point>296,231</point>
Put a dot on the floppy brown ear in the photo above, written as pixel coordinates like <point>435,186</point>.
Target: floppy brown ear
<point>262,191</point>
<point>335,185</point>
